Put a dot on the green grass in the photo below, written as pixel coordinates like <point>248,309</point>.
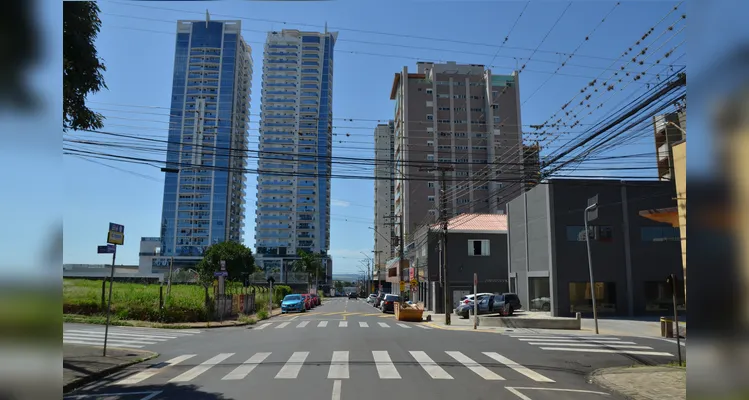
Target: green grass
<point>137,301</point>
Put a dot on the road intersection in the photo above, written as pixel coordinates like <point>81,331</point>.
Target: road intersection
<point>346,349</point>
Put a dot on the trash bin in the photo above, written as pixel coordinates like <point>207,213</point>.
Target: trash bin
<point>667,327</point>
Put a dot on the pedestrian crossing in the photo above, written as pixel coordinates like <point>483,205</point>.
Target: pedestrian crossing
<point>589,344</point>
<point>122,337</point>
<point>310,324</point>
<point>441,365</point>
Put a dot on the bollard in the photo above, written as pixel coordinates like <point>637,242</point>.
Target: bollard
<point>103,294</point>
<point>161,297</point>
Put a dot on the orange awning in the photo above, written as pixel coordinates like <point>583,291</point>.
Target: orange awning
<point>664,215</point>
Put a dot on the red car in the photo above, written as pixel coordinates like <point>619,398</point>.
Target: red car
<point>316,299</point>
<point>307,301</point>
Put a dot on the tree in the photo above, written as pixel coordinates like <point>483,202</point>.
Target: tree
<point>238,258</point>
<point>310,264</point>
<point>338,286</point>
<point>82,67</point>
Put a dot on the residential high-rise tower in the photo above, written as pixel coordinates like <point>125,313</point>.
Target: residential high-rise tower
<point>384,193</point>
<point>293,189</point>
<point>204,188</point>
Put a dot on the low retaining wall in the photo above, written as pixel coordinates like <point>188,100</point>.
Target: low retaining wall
<point>531,323</point>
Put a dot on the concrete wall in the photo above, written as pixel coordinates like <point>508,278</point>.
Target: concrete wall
<point>680,175</point>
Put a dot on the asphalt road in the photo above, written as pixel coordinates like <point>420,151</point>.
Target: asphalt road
<point>346,349</point>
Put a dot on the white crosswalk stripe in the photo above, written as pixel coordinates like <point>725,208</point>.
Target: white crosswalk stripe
<point>198,370</point>
<point>363,324</point>
<point>343,324</point>
<point>333,324</point>
<point>384,325</point>
<point>282,325</point>
<point>322,324</point>
<point>589,344</point>
<point>302,324</point>
<point>123,336</point>
<point>262,326</point>
<point>403,325</point>
<point>172,372</point>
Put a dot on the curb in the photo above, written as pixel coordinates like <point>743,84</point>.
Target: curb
<point>76,384</point>
<point>175,327</point>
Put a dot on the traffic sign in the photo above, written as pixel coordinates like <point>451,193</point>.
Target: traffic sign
<point>223,265</point>
<point>403,286</point>
<point>221,273</point>
<point>116,234</point>
<point>107,249</point>
<point>116,228</point>
<point>414,288</point>
<point>414,282</point>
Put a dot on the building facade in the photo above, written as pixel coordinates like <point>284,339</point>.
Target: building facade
<point>631,255</point>
<point>204,188</point>
<point>668,130</point>
<point>293,190</point>
<point>384,232</point>
<point>476,243</point>
<point>461,116</point>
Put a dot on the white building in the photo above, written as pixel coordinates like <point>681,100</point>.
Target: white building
<point>293,191</point>
<point>384,232</point>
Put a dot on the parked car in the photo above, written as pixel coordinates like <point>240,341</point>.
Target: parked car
<point>388,303</point>
<point>503,304</point>
<point>378,300</point>
<point>293,302</point>
<point>371,298</point>
<point>513,302</point>
<point>307,301</point>
<point>469,298</point>
<point>315,299</point>
<point>541,303</point>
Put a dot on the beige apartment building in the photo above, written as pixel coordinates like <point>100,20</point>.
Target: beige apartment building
<point>460,116</point>
<point>384,187</point>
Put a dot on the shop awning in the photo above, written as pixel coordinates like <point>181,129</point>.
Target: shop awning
<point>668,215</point>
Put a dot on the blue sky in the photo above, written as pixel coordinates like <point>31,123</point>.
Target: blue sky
<point>137,44</point>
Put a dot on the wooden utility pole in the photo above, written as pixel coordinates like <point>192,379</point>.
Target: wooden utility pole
<point>444,220</point>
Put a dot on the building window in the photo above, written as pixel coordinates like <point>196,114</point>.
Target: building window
<point>597,233</point>
<point>659,234</point>
<point>430,117</point>
<point>429,91</point>
<point>497,120</point>
<point>658,296</point>
<point>478,247</point>
<point>430,143</point>
<point>430,184</point>
<point>430,104</point>
<point>430,199</point>
<point>430,157</point>
<point>539,294</point>
<point>580,300</point>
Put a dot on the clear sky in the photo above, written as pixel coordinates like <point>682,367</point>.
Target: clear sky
<point>375,41</point>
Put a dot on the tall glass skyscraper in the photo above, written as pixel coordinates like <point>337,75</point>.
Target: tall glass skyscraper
<point>204,203</point>
<point>293,191</point>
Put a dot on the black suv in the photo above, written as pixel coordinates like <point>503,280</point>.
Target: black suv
<point>511,302</point>
<point>352,295</point>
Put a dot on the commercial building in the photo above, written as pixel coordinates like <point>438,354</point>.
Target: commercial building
<point>384,188</point>
<point>461,116</point>
<point>668,129</point>
<point>293,189</point>
<point>631,255</point>
<point>204,188</point>
<point>476,243</point>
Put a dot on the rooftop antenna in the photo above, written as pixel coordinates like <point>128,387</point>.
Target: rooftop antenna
<point>207,18</point>
<point>326,27</point>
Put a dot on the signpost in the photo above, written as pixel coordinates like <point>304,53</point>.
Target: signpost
<point>475,300</point>
<point>672,280</point>
<point>271,280</point>
<point>115,236</point>
<point>591,213</point>
<point>403,286</point>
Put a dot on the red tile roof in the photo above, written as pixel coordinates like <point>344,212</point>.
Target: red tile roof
<point>477,223</point>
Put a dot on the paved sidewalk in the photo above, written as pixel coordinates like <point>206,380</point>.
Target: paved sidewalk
<point>85,364</point>
<point>644,383</point>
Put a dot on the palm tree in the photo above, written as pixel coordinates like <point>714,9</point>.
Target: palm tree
<point>310,264</point>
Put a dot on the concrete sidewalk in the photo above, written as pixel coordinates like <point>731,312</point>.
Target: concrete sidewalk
<point>85,364</point>
<point>644,383</point>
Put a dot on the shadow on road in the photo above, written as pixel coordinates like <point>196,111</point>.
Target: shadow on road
<point>146,392</point>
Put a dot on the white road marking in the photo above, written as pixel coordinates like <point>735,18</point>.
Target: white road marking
<point>384,325</point>
<point>474,366</point>
<point>336,390</point>
<point>613,351</point>
<point>518,368</point>
<point>263,326</point>
<point>143,375</point>
<point>618,346</point>
<point>150,396</point>
<point>431,367</point>
<point>322,324</point>
<point>516,391</point>
<point>292,367</point>
<point>282,325</point>
<point>403,325</point>
<point>343,324</point>
<point>339,365</point>
<point>79,336</point>
<point>243,370</point>
<point>130,346</point>
<point>115,333</point>
<point>563,337</point>
<point>423,326</point>
<point>384,364</point>
<point>363,324</point>
<point>302,324</point>
<point>199,369</point>
<point>579,341</point>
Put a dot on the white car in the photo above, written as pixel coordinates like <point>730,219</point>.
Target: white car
<point>371,298</point>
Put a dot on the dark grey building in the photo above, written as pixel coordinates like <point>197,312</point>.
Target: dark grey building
<point>632,255</point>
<point>476,243</point>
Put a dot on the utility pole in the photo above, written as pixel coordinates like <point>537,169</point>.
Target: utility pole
<point>444,220</point>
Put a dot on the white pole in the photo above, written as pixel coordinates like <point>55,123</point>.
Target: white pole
<point>109,304</point>
<point>590,266</point>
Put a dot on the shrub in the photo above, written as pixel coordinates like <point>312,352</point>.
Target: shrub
<point>262,314</point>
<point>279,292</point>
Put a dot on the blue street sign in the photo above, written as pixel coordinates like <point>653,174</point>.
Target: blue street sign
<point>116,228</point>
<point>221,273</point>
<point>108,249</point>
